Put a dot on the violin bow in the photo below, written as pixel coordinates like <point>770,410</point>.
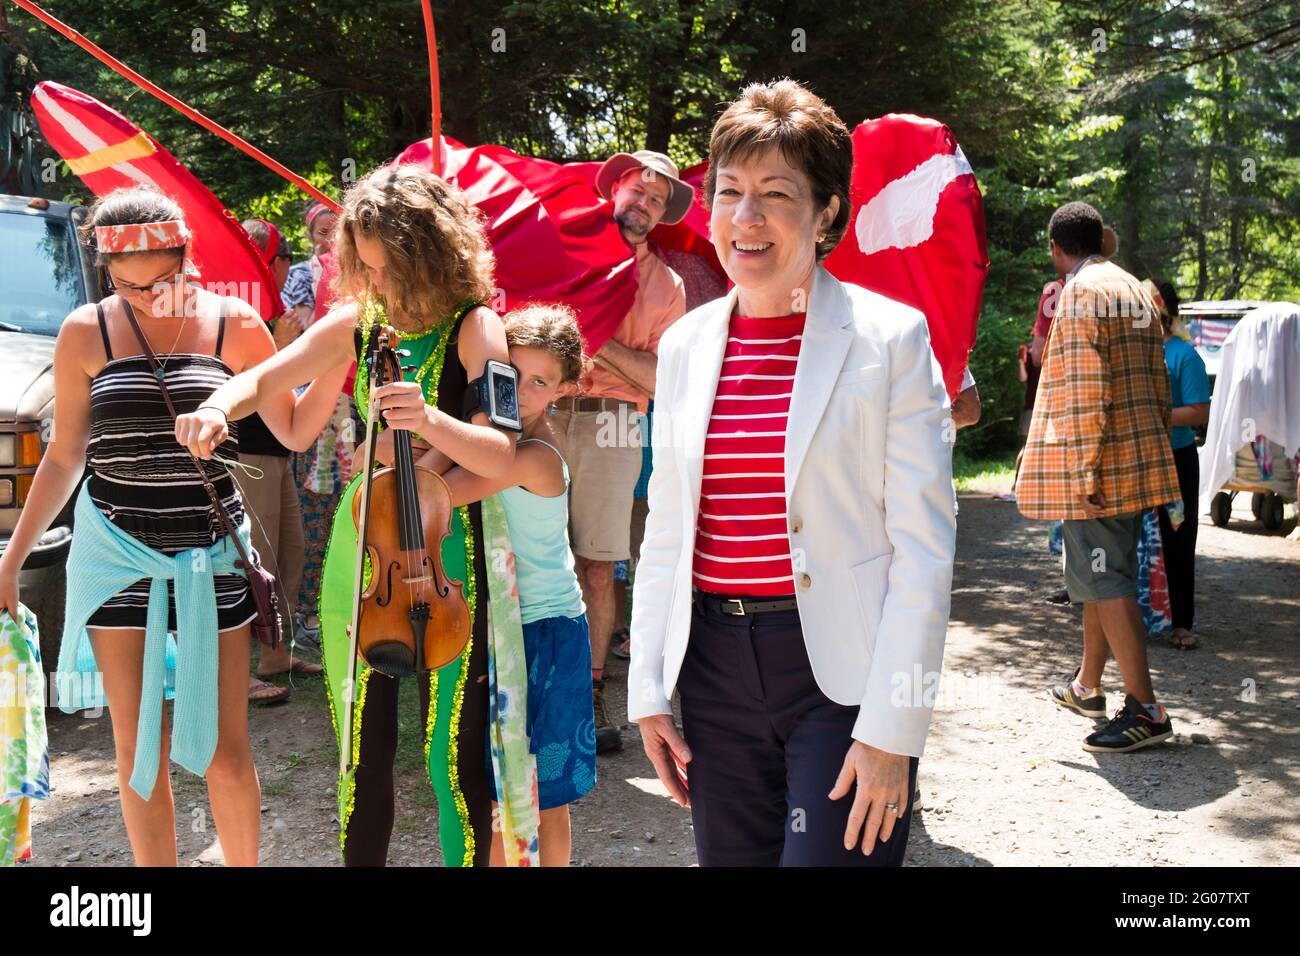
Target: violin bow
<point>363,527</point>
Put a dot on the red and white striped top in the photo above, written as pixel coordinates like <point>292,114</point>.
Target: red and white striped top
<point>742,546</point>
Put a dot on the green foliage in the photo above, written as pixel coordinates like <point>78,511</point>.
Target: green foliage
<point>1181,122</point>
<point>993,363</point>
<point>287,206</point>
<point>982,474</point>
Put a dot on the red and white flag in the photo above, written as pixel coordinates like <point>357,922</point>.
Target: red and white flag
<point>107,151</point>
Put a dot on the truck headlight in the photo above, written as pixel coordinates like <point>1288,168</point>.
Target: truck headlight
<point>28,449</point>
<point>21,449</point>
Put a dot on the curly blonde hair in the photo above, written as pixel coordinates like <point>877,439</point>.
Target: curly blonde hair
<point>552,327</point>
<point>436,254</point>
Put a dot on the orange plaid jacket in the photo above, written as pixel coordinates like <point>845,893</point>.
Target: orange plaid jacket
<point>1101,416</point>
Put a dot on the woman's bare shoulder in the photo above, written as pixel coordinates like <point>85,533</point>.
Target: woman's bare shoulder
<point>80,321</point>
<point>78,344</point>
<point>482,335</point>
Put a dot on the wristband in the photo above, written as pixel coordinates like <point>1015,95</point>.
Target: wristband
<point>216,409</point>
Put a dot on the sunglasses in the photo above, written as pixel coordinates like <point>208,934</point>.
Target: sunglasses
<point>113,284</point>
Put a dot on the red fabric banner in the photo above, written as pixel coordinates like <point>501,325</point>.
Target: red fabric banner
<point>107,151</point>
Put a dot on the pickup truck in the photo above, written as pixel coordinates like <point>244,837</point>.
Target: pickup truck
<point>45,273</point>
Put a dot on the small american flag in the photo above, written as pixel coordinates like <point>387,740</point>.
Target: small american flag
<point>1210,333</point>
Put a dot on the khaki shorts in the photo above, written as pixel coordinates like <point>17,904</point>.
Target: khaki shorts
<point>603,452</point>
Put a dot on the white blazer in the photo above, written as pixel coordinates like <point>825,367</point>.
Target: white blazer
<point>869,499</point>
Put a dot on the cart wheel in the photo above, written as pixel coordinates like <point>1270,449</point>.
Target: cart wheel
<point>1221,509</point>
<point>1272,512</point>
<point>1257,505</point>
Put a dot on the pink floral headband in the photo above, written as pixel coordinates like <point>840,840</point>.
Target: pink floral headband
<point>142,236</point>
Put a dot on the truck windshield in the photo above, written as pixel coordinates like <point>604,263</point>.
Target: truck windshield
<point>39,281</point>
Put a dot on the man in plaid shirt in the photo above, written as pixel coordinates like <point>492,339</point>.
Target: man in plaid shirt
<point>1098,457</point>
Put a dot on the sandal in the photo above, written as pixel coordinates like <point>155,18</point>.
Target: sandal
<point>623,649</point>
<point>299,668</point>
<point>1182,639</point>
<point>262,693</point>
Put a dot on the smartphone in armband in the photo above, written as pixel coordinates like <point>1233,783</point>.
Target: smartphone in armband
<point>496,393</point>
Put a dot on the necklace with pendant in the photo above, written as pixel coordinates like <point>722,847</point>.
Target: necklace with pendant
<point>170,353</point>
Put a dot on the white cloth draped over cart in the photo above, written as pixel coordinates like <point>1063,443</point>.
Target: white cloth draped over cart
<point>1257,392</point>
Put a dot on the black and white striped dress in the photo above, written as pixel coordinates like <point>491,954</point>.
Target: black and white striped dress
<point>144,481</point>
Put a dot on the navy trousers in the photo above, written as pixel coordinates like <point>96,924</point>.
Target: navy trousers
<point>766,748</point>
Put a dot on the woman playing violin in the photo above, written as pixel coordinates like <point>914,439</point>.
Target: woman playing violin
<point>413,257</point>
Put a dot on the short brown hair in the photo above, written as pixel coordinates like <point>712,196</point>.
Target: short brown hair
<point>436,255</point>
<point>809,134</point>
<point>552,327</point>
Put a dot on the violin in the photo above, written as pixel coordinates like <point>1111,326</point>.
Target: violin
<point>408,617</point>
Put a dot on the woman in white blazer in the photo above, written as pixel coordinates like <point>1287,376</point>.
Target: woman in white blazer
<point>793,584</point>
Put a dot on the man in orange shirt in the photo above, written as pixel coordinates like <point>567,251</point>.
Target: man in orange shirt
<point>599,431</point>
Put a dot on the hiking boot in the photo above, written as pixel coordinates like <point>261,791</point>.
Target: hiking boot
<point>1131,729</point>
<point>1064,696</point>
<point>608,737</point>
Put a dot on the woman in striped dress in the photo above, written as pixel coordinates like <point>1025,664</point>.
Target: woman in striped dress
<point>110,415</point>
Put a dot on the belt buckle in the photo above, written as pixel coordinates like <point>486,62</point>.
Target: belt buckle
<point>739,603</point>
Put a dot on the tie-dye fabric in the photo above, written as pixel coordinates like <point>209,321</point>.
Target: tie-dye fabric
<point>24,755</point>
<point>142,236</point>
<point>1153,582</point>
<point>512,762</point>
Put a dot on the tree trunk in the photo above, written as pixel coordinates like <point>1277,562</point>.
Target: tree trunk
<point>1132,196</point>
<point>1236,200</point>
<point>461,76</point>
<point>1202,216</point>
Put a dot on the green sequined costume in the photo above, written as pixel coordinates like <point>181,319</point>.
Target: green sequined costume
<point>457,777</point>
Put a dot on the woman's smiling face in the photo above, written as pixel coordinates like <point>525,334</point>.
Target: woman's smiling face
<point>765,224</point>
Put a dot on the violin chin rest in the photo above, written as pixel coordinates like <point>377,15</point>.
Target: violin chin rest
<point>391,658</point>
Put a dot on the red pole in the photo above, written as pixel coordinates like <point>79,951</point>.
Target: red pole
<point>431,40</point>
<point>121,68</point>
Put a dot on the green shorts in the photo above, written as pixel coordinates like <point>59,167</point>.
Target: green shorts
<point>1101,557</point>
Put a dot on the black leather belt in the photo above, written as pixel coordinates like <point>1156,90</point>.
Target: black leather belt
<point>742,606</point>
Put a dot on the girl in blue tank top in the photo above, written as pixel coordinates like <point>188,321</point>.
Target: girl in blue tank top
<point>546,348</point>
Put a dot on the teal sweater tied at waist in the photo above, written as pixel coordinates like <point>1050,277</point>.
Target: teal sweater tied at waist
<point>103,561</point>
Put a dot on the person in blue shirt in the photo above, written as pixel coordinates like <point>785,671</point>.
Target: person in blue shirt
<point>1189,394</point>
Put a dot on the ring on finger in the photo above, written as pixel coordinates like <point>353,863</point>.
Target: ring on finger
<point>892,808</point>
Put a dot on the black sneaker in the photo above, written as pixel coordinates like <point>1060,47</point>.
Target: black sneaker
<point>608,737</point>
<point>1064,696</point>
<point>1131,729</point>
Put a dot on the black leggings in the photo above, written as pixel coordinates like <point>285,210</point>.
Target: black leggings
<point>371,824</point>
<point>1180,546</point>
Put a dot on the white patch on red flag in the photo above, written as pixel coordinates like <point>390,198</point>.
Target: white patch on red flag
<point>902,214</point>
